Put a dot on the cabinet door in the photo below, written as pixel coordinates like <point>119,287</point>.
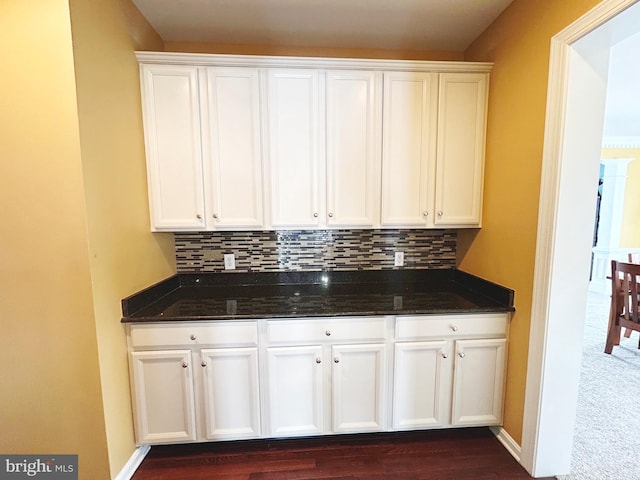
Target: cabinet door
<point>294,391</point>
<point>353,148</point>
<point>422,384</point>
<point>231,393</point>
<point>171,114</point>
<point>409,149</point>
<point>293,106</point>
<point>163,396</point>
<point>232,147</point>
<point>460,151</point>
<point>478,382</point>
<point>358,388</point>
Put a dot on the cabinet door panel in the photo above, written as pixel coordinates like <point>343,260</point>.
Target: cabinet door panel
<point>358,388</point>
<point>293,103</point>
<point>295,393</point>
<point>231,394</point>
<point>460,152</point>
<point>171,109</point>
<point>479,382</point>
<point>409,148</point>
<point>353,148</point>
<point>232,147</point>
<point>422,384</point>
<point>163,396</point>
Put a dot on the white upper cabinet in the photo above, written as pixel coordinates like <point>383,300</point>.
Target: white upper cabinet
<point>204,155</point>
<point>269,143</point>
<point>232,148</point>
<point>293,104</point>
<point>409,148</point>
<point>462,112</point>
<point>353,106</point>
<point>171,109</point>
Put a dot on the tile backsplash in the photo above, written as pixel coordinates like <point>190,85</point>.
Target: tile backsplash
<point>308,250</point>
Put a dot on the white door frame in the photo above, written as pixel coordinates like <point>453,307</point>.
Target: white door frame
<point>565,227</point>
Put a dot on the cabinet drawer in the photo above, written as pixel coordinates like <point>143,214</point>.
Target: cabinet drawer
<point>326,330</point>
<point>218,333</point>
<point>428,326</point>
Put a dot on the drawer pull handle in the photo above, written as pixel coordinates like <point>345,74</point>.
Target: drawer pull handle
<point>454,328</point>
<point>192,337</point>
<point>328,333</point>
<point>440,214</point>
<point>315,214</point>
<point>336,360</point>
<point>204,364</point>
<point>318,360</point>
<point>444,355</point>
<point>198,216</point>
<point>185,364</point>
<point>461,354</point>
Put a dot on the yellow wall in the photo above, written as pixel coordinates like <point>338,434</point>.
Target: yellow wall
<point>75,233</point>
<point>124,255</point>
<point>289,50</point>
<point>504,250</point>
<point>51,400</point>
<point>630,234</point>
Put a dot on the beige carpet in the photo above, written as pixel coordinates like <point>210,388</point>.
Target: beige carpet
<point>607,435</point>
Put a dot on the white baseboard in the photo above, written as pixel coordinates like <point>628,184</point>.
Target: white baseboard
<point>134,462</point>
<point>509,443</point>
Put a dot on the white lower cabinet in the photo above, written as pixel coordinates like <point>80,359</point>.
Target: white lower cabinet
<point>208,389</point>
<point>422,384</point>
<point>318,383</point>
<point>163,396</point>
<point>478,382</point>
<point>454,381</point>
<point>231,394</point>
<point>210,381</point>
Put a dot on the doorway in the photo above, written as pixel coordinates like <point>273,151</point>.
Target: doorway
<point>578,77</point>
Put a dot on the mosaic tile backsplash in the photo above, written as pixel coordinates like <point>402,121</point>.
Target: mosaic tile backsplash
<point>309,250</point>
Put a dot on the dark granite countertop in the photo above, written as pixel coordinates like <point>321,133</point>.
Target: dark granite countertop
<point>223,296</point>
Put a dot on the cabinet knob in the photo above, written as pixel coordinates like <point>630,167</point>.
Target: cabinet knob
<point>318,360</point>
<point>330,214</point>
<point>185,364</point>
<point>425,214</point>
<point>198,216</point>
<point>454,328</point>
<point>439,214</point>
<point>461,354</point>
<point>328,333</point>
<point>315,214</point>
<point>215,215</point>
<point>192,337</point>
<point>336,360</point>
<point>444,355</point>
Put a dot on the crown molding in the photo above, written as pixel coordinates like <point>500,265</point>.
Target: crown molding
<point>263,61</point>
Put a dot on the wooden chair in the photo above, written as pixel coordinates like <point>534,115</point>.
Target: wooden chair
<point>625,301</point>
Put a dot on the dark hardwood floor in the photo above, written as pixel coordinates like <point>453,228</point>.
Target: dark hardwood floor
<point>460,454</point>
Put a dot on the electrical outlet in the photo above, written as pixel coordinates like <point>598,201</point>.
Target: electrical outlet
<point>398,259</point>
<point>229,261</point>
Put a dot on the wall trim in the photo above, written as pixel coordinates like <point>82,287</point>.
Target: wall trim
<point>133,463</point>
<point>508,442</point>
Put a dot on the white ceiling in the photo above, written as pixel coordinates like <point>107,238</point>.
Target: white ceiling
<point>381,24</point>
